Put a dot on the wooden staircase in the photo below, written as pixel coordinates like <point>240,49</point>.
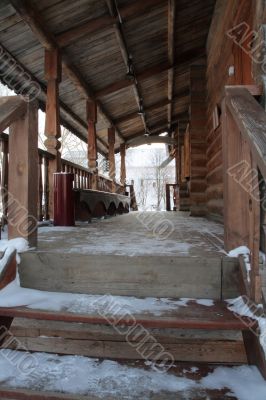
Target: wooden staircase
<point>197,333</point>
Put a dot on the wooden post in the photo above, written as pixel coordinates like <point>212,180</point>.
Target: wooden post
<point>168,199</point>
<point>23,176</point>
<point>4,182</point>
<point>53,69</point>
<point>92,141</point>
<point>40,179</point>
<point>123,164</point>
<point>198,141</point>
<point>111,143</point>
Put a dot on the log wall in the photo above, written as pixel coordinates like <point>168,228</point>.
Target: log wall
<point>227,64</point>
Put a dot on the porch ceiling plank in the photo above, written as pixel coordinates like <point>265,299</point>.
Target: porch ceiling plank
<point>183,59</point>
<point>171,57</point>
<point>123,46</point>
<point>129,11</point>
<point>31,17</point>
<point>155,106</point>
<point>11,109</point>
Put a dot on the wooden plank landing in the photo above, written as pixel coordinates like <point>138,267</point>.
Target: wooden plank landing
<point>192,316</point>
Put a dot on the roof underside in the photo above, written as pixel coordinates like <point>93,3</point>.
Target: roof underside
<point>162,35</point>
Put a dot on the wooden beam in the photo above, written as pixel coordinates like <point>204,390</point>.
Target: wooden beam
<point>160,127</point>
<point>32,18</point>
<point>120,35</point>
<point>12,108</point>
<point>132,10</point>
<point>184,60</point>
<point>139,141</point>
<point>155,106</point>
<point>171,57</point>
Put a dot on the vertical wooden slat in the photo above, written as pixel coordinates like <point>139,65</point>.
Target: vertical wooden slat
<point>40,180</point>
<point>46,189</point>
<point>123,164</point>
<point>4,181</point>
<point>111,143</point>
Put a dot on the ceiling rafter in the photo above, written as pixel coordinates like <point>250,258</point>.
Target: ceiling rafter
<point>171,57</point>
<point>127,12</point>
<point>183,60</point>
<point>127,58</point>
<point>162,103</point>
<point>31,17</point>
<point>160,127</point>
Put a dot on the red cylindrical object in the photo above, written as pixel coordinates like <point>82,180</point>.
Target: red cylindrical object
<point>64,211</point>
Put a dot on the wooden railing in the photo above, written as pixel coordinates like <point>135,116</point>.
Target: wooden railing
<point>82,179</point>
<point>244,162</point>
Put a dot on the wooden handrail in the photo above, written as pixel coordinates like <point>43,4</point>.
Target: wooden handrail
<point>12,109</point>
<point>251,120</point>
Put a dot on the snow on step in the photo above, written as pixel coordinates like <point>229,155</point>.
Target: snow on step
<point>113,380</point>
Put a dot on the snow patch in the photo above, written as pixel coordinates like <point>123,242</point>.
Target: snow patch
<point>205,302</point>
<point>19,244</point>
<point>239,307</point>
<point>242,250</point>
<point>15,296</point>
<point>109,379</point>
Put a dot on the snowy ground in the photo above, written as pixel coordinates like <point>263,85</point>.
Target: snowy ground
<point>110,379</point>
<point>149,233</point>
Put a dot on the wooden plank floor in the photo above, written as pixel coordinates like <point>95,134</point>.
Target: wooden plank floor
<point>192,316</point>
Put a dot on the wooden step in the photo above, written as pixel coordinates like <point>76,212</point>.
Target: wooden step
<point>191,316</point>
<point>193,372</point>
<point>103,341</point>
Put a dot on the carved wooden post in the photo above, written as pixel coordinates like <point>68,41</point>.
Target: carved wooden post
<point>23,176</point>
<point>111,143</point>
<point>92,141</point>
<point>123,164</point>
<point>53,68</point>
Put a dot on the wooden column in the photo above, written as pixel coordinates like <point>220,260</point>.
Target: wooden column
<point>123,164</point>
<point>111,143</point>
<point>53,69</point>
<point>23,176</point>
<point>198,141</point>
<point>92,141</point>
<point>184,198</point>
<point>168,198</point>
